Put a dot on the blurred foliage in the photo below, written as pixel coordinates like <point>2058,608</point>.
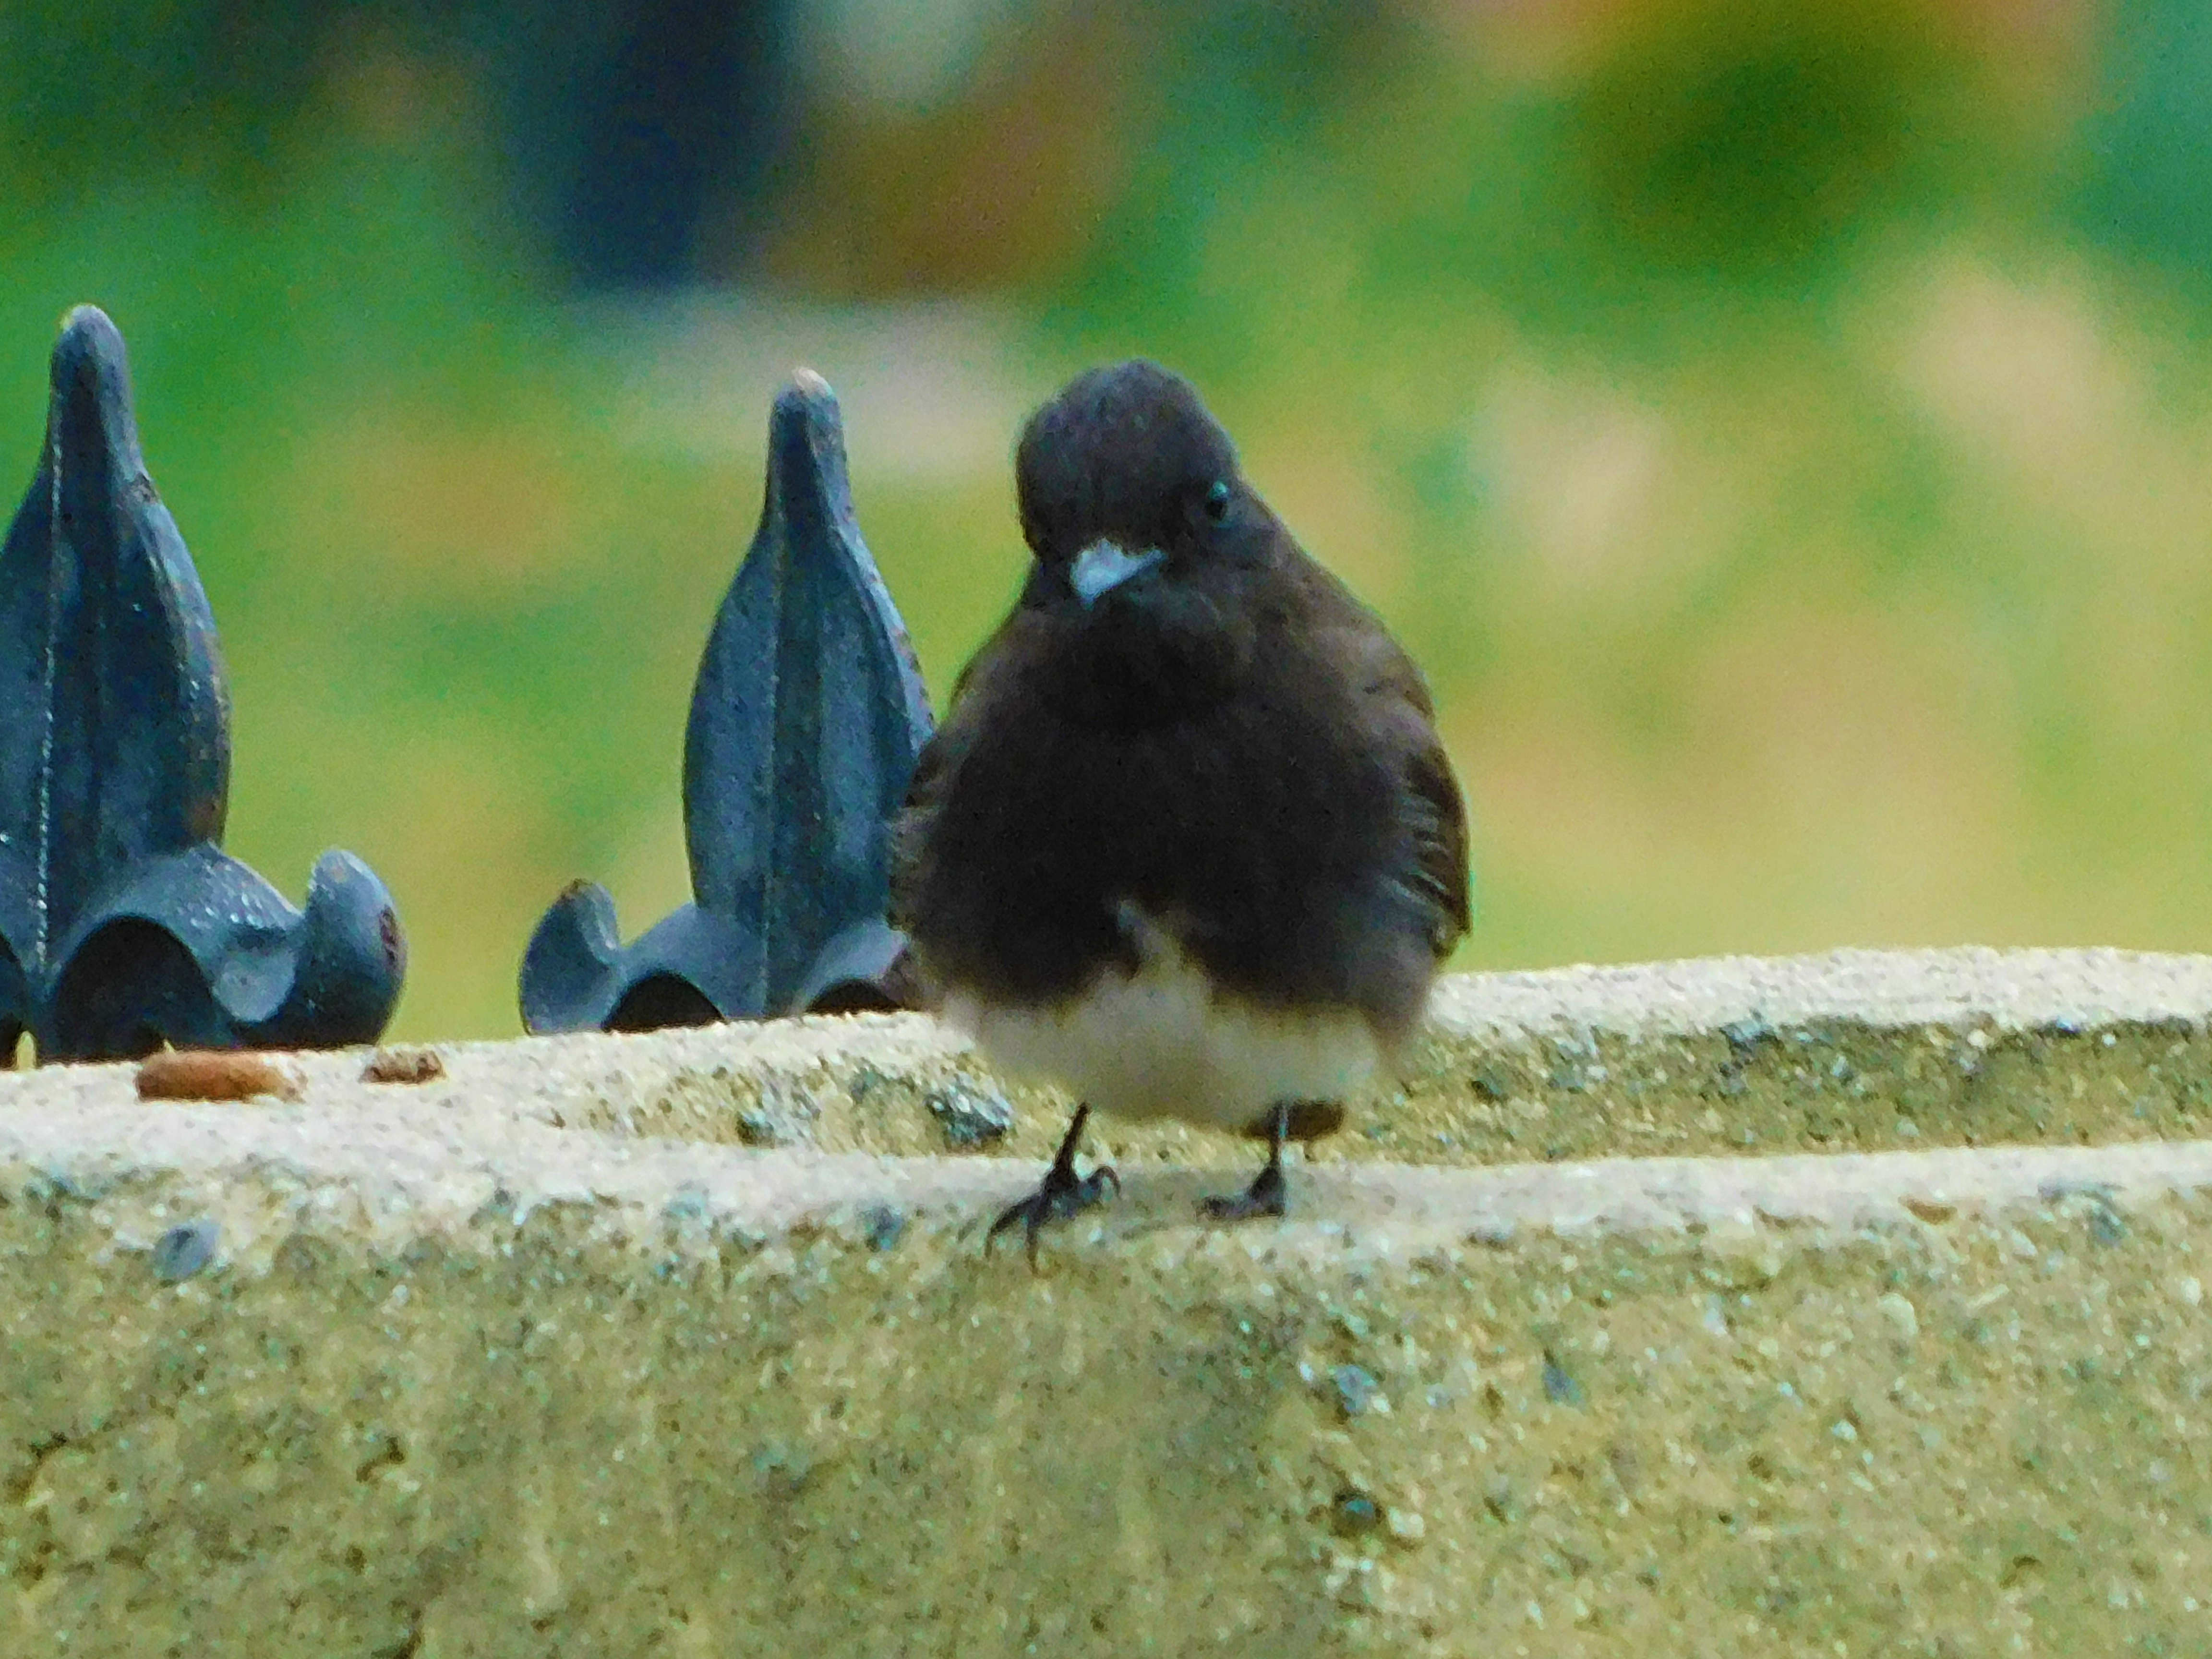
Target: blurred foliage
<point>108,85</point>
<point>1778,428</point>
<point>2147,154</point>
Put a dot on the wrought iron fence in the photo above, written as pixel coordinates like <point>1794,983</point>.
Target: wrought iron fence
<point>125,927</point>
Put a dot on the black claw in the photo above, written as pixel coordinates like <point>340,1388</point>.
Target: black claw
<point>1058,1196</point>
<point>1061,1193</point>
<point>1269,1193</point>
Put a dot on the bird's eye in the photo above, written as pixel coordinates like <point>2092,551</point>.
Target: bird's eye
<point>1216,499</point>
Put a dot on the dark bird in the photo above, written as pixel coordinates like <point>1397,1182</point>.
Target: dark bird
<point>1185,841</point>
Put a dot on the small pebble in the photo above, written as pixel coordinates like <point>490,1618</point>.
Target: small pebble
<point>783,1116</point>
<point>1745,1035</point>
<point>1561,1388</point>
<point>402,1066</point>
<point>883,1224</point>
<point>969,1115</point>
<point>1357,1392</point>
<point>212,1074</point>
<point>1903,1318</point>
<point>1406,1525</point>
<point>688,1205</point>
<point>1353,1512</point>
<point>184,1250</point>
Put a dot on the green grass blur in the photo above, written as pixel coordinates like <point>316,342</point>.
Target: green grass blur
<point>1779,430</point>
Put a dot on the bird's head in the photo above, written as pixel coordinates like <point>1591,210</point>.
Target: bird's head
<point>1142,526</point>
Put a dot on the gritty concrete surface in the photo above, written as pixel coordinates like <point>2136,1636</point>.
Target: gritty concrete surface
<point>642,1346</point>
<point>1855,1051</point>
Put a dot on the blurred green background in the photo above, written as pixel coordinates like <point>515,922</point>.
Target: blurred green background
<point>1780,429</point>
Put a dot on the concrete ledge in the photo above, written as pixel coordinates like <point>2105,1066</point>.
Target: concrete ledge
<point>1851,1051</point>
<point>490,1365</point>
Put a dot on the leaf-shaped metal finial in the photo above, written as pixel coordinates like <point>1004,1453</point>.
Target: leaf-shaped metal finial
<point>124,926</point>
<point>115,747</point>
<point>805,720</point>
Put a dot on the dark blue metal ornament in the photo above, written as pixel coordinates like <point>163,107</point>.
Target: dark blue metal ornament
<point>805,720</point>
<point>122,925</point>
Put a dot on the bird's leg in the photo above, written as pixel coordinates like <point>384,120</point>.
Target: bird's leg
<point>1061,1193</point>
<point>1268,1195</point>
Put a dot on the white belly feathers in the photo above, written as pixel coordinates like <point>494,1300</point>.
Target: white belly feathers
<point>1163,1042</point>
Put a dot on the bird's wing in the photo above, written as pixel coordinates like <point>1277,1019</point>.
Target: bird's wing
<point>1436,823</point>
<point>910,831</point>
<point>940,758</point>
<point>1429,803</point>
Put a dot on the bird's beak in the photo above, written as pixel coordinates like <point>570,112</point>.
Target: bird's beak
<point>1102,566</point>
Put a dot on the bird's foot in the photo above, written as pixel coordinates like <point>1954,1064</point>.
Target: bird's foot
<point>1269,1194</point>
<point>1061,1194</point>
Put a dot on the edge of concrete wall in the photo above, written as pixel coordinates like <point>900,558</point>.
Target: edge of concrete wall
<point>492,1365</point>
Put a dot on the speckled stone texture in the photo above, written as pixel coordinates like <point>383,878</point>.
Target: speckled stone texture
<point>687,1344</point>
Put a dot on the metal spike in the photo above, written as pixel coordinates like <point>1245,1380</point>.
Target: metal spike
<point>125,925</point>
<point>806,717</point>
